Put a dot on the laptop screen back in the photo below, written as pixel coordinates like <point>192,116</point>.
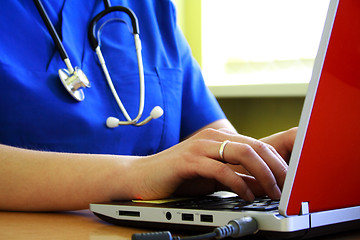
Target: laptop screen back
<point>327,175</point>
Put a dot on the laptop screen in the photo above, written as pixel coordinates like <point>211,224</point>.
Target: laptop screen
<point>327,175</point>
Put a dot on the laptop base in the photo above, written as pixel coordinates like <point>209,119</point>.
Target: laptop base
<point>191,229</point>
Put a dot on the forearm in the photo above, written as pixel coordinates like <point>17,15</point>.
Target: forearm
<point>47,181</point>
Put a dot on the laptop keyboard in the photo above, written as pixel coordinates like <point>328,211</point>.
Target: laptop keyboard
<point>231,203</point>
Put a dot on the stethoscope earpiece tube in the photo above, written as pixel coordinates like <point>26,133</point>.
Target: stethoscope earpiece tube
<point>92,27</point>
<point>113,122</point>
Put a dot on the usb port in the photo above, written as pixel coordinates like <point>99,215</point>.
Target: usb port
<point>187,217</point>
<point>206,218</point>
<point>129,213</point>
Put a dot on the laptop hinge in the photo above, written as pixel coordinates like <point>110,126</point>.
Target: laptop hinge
<point>304,208</point>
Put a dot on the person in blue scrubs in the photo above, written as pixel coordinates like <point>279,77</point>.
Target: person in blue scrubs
<point>57,153</point>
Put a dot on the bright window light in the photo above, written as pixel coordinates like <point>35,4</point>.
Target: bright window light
<point>260,41</point>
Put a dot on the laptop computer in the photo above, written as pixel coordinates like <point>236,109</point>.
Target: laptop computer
<point>321,191</point>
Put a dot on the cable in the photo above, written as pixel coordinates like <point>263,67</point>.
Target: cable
<point>200,237</point>
<point>235,229</point>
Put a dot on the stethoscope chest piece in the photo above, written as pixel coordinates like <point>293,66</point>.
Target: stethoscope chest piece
<point>74,82</point>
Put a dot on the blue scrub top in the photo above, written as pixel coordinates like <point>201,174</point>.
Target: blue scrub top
<point>36,112</point>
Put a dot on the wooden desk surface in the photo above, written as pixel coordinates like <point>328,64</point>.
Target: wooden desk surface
<point>80,225</point>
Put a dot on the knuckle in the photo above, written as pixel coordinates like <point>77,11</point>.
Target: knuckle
<point>198,146</point>
<point>186,166</point>
<point>226,130</point>
<point>208,133</point>
<point>195,149</point>
<point>246,150</point>
<point>188,159</point>
<point>260,146</point>
<point>270,147</point>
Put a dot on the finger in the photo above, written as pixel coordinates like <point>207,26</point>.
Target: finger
<point>243,154</point>
<point>275,162</point>
<point>281,159</point>
<point>250,181</point>
<point>269,155</point>
<point>253,154</point>
<point>264,150</point>
<point>283,170</point>
<point>222,173</point>
<point>253,185</point>
<point>258,144</point>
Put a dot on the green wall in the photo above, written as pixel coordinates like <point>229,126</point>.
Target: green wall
<point>189,20</point>
<point>260,117</point>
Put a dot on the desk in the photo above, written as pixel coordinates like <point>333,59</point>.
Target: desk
<point>79,225</point>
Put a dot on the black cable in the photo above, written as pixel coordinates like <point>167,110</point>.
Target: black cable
<point>235,229</point>
<point>200,237</point>
<point>107,4</point>
<point>51,29</point>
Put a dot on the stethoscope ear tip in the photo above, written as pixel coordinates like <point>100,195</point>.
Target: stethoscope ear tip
<point>112,122</point>
<point>156,112</point>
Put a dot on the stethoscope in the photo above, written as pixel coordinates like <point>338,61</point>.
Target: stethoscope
<point>74,79</point>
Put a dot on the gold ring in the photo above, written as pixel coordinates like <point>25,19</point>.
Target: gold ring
<point>222,148</point>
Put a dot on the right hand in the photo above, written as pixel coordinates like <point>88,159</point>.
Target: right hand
<point>193,167</point>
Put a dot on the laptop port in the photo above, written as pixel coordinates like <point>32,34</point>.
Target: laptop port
<point>129,213</point>
<point>187,217</point>
<point>206,218</point>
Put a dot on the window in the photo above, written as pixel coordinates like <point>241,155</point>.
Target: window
<point>260,41</point>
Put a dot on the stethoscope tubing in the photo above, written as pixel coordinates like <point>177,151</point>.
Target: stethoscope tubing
<point>74,79</point>
<point>54,35</point>
<point>112,87</point>
<point>92,27</point>
<point>96,47</point>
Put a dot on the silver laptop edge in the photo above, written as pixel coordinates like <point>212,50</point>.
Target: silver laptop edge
<point>267,221</point>
<point>308,103</point>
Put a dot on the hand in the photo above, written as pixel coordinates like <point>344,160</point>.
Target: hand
<point>194,166</point>
<point>283,142</point>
